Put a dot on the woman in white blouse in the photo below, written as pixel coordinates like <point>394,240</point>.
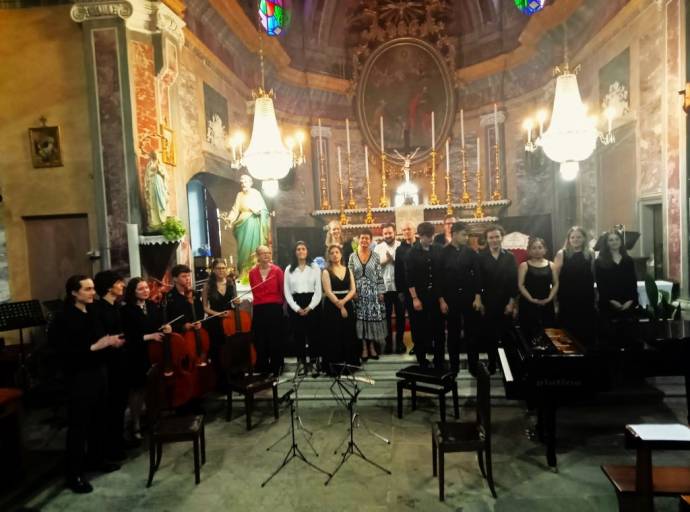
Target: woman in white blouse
<point>302,287</point>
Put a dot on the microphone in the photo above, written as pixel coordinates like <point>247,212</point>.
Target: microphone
<point>286,396</point>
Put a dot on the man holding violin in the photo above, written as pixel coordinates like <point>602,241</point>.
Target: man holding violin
<point>182,301</point>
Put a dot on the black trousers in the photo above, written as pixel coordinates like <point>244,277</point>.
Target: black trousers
<point>86,420</point>
<point>267,326</point>
<point>427,329</point>
<point>305,329</point>
<point>116,402</point>
<point>462,326</point>
<point>393,303</point>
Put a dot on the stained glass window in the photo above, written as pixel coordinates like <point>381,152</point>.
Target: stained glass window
<point>272,13</point>
<point>529,7</point>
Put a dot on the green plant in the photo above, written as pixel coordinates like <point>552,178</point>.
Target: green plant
<point>659,309</point>
<point>172,229</point>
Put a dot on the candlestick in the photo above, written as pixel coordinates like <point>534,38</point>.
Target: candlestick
<point>343,217</point>
<point>369,218</point>
<point>496,196</point>
<point>433,132</point>
<point>433,199</point>
<point>462,128</point>
<point>351,204</point>
<point>325,205</point>
<point>479,211</point>
<point>465,178</point>
<point>449,197</point>
<point>383,200</point>
<point>496,120</point>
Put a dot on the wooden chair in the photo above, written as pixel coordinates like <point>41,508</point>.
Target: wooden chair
<point>236,361</point>
<point>427,380</point>
<point>166,429</point>
<point>466,436</point>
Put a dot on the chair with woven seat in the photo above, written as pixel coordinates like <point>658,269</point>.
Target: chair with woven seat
<point>236,361</point>
<point>472,436</point>
<point>166,429</point>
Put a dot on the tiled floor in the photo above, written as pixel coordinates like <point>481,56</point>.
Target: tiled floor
<point>237,462</point>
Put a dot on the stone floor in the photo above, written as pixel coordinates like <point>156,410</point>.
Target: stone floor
<point>237,462</point>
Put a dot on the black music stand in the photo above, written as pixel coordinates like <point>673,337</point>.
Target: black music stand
<point>349,388</point>
<point>19,316</point>
<point>308,434</point>
<point>294,452</point>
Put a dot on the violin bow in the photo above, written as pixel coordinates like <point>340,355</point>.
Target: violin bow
<point>253,288</point>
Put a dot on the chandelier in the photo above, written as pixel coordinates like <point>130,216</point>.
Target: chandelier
<point>267,157</point>
<point>572,135</point>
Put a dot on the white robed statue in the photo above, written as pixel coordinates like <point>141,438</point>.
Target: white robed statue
<point>156,191</point>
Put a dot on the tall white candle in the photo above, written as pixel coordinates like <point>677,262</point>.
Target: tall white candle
<point>448,157</point>
<point>433,131</point>
<point>381,126</point>
<point>479,158</point>
<point>347,130</point>
<point>462,128</point>
<point>496,122</point>
<point>366,162</point>
<point>340,169</point>
<point>320,141</point>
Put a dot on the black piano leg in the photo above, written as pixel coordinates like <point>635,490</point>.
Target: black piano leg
<point>549,418</point>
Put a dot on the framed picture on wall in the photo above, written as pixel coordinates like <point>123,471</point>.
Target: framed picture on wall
<point>45,148</point>
<point>167,145</point>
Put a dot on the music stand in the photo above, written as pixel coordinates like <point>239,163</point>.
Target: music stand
<point>297,380</point>
<point>294,452</point>
<point>20,316</point>
<point>349,388</point>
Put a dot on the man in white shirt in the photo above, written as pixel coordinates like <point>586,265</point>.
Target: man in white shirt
<point>386,251</point>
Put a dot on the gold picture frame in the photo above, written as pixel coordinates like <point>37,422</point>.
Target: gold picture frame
<point>45,146</point>
<point>167,145</point>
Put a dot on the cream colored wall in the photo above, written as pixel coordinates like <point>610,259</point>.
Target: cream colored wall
<point>42,73</point>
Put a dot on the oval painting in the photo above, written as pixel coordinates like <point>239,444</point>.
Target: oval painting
<point>404,81</point>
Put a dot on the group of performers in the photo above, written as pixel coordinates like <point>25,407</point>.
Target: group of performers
<point>347,312</point>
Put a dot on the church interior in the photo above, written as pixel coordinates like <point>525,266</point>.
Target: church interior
<point>384,231</point>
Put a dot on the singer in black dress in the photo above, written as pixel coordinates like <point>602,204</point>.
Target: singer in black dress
<point>538,285</point>
<point>574,265</point>
<point>217,296</point>
<point>340,345</point>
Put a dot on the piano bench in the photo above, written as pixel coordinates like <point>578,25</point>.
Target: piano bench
<point>666,481</point>
<point>427,380</point>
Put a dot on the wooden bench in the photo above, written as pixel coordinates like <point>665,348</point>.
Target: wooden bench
<point>666,481</point>
<point>427,380</point>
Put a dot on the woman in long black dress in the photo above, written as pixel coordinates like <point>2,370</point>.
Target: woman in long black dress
<point>574,265</point>
<point>338,311</point>
<point>217,297</point>
<point>538,285</point>
<point>616,279</point>
<point>142,322</point>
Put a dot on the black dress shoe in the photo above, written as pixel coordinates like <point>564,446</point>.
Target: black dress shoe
<point>412,352</point>
<point>79,485</point>
<point>104,467</point>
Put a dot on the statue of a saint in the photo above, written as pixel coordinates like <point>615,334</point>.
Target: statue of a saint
<point>407,193</point>
<point>156,191</point>
<point>249,220</point>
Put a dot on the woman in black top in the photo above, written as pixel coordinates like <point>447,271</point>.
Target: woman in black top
<point>217,296</point>
<point>574,265</point>
<point>616,279</point>
<point>142,322</point>
<point>81,341</point>
<point>538,285</point>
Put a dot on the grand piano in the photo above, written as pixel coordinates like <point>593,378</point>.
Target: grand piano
<point>551,368</point>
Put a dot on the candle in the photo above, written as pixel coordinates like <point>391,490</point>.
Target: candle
<point>462,128</point>
<point>340,170</point>
<point>448,156</point>
<point>231,261</point>
<point>320,141</point>
<point>496,122</point>
<point>366,162</point>
<point>433,132</point>
<point>381,126</point>
<point>347,130</point>
<point>479,159</point>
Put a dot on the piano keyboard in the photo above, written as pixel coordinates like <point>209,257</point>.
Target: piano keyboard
<point>505,367</point>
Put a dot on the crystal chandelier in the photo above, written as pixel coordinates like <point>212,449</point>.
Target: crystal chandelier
<point>572,134</point>
<point>266,158</point>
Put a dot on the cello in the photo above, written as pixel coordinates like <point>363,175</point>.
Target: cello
<point>198,343</point>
